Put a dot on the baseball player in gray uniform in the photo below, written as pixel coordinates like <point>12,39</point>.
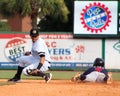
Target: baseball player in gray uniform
<point>36,62</point>
<point>96,73</point>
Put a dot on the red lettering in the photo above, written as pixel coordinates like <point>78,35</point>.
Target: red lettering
<point>51,44</point>
<point>47,43</point>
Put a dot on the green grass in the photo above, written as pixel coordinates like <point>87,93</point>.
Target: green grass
<point>6,74</point>
<point>57,75</point>
<point>6,83</point>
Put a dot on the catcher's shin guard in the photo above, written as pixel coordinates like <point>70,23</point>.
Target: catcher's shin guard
<point>76,78</point>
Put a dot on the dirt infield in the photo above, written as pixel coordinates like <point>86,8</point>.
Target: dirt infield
<point>59,88</point>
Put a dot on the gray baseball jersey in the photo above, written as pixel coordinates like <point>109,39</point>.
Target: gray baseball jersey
<point>95,77</point>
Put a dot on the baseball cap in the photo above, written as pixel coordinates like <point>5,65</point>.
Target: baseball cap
<point>34,32</point>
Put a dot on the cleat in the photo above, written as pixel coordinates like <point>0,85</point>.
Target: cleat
<point>14,80</point>
<point>48,77</point>
<point>109,80</point>
<point>76,78</point>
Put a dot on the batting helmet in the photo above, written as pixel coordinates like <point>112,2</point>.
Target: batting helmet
<point>99,62</point>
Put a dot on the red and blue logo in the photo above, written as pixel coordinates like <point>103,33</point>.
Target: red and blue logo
<point>95,17</point>
<point>15,48</point>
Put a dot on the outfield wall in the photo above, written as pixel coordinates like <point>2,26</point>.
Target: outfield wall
<point>112,53</point>
<point>66,52</point>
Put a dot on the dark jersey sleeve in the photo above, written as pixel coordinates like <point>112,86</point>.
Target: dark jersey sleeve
<point>89,70</point>
<point>105,72</point>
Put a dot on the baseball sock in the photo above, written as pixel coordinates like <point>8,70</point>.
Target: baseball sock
<point>42,74</point>
<point>19,71</point>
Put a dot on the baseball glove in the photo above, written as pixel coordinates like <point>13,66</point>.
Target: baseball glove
<point>33,72</point>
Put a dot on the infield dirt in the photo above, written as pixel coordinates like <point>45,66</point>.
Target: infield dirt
<point>59,88</point>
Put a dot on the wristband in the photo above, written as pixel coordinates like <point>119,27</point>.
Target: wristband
<point>39,66</point>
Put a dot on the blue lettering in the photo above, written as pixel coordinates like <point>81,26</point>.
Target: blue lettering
<point>61,51</point>
<point>50,51</point>
<point>67,52</point>
<point>56,51</point>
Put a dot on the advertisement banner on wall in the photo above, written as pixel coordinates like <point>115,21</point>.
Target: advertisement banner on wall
<point>112,54</point>
<point>65,51</point>
<point>13,46</point>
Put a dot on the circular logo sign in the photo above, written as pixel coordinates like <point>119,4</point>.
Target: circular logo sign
<point>95,17</point>
<point>15,48</point>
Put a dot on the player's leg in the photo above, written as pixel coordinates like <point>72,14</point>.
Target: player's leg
<point>22,62</point>
<point>41,72</point>
<point>81,77</point>
<point>43,69</point>
<point>17,76</point>
<point>108,76</point>
<point>109,80</point>
<point>100,77</point>
<point>91,77</point>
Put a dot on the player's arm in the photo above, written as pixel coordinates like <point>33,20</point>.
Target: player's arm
<point>89,70</point>
<point>42,59</point>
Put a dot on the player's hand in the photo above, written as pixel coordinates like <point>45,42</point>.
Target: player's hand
<point>33,72</point>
